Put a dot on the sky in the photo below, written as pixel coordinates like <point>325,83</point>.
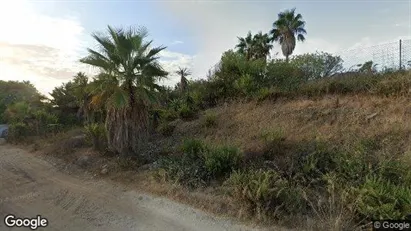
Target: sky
<point>42,41</point>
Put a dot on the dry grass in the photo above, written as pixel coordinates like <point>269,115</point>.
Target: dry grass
<point>336,119</point>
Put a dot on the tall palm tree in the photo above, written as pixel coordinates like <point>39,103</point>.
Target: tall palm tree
<point>183,73</point>
<point>285,30</point>
<point>245,45</point>
<point>262,46</point>
<point>129,72</point>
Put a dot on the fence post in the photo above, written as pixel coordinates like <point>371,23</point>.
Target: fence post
<point>400,55</point>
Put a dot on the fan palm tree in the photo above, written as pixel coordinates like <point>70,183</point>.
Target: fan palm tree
<point>261,46</point>
<point>245,45</point>
<point>129,72</point>
<point>183,73</point>
<point>255,47</point>
<point>285,30</point>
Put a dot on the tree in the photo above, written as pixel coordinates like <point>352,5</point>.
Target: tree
<point>262,46</point>
<point>82,95</point>
<point>183,73</point>
<point>285,30</point>
<point>15,91</point>
<point>318,65</point>
<point>245,45</point>
<point>255,47</point>
<point>129,72</point>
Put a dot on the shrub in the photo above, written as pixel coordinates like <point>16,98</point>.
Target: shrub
<point>395,84</point>
<point>126,163</point>
<point>166,129</point>
<point>18,131</point>
<point>263,94</point>
<point>203,93</point>
<point>378,198</point>
<point>318,65</point>
<point>273,140</point>
<point>235,74</point>
<point>185,171</point>
<point>348,83</point>
<point>96,135</point>
<point>186,112</point>
<point>273,136</point>
<point>265,193</point>
<point>222,161</point>
<point>168,115</point>
<point>284,76</point>
<point>210,120</point>
<point>42,120</point>
<point>199,164</point>
<point>193,148</point>
<point>245,85</point>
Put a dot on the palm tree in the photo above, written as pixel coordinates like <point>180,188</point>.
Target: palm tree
<point>80,83</point>
<point>287,26</point>
<point>183,72</point>
<point>262,46</point>
<point>245,45</point>
<point>129,72</point>
<point>255,47</point>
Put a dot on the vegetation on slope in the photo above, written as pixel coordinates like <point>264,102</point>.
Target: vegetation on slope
<point>286,139</point>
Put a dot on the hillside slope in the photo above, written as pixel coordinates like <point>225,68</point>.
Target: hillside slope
<point>333,118</point>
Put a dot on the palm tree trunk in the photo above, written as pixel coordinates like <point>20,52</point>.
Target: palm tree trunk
<point>127,128</point>
<point>286,59</point>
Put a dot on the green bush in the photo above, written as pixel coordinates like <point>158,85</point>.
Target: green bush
<point>203,93</point>
<point>186,113</point>
<point>246,85</point>
<point>378,198</point>
<point>318,65</point>
<point>236,75</point>
<point>284,76</point>
<point>222,160</point>
<point>166,129</point>
<point>168,115</point>
<point>184,171</point>
<point>198,164</point>
<point>193,148</point>
<point>18,131</point>
<point>187,169</point>
<point>210,120</point>
<point>96,135</point>
<point>42,120</point>
<point>263,94</point>
<point>266,193</point>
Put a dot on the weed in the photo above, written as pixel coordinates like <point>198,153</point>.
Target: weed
<point>210,120</point>
<point>222,160</point>
<point>166,129</point>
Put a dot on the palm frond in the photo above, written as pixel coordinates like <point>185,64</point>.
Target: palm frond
<point>119,98</point>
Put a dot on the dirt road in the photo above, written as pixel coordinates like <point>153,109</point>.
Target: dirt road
<point>30,186</point>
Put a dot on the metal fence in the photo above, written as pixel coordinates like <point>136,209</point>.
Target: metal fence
<point>395,55</point>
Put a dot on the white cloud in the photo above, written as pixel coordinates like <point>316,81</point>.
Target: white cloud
<point>36,47</point>
<point>177,42</point>
<point>171,61</point>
